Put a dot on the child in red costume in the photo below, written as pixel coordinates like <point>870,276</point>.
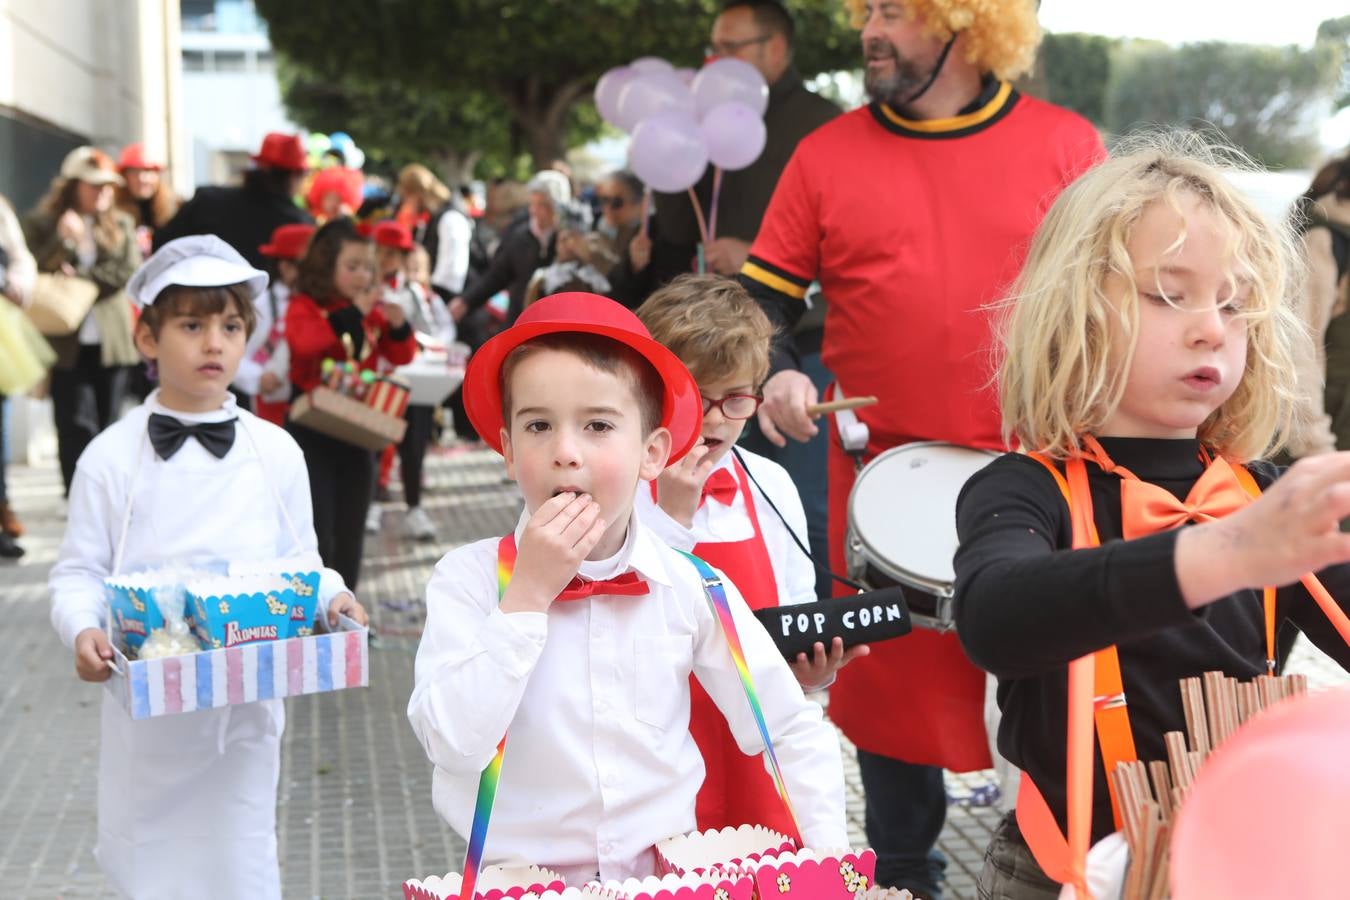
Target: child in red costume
<point>337,313</point>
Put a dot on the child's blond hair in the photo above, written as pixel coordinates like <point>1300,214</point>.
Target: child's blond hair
<point>1058,378</point>
<point>713,325</point>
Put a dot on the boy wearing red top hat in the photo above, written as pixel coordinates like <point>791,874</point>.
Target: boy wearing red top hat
<point>574,637</point>
<point>263,372</point>
<point>735,509</point>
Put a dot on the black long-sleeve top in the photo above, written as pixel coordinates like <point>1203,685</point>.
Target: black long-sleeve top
<point>1026,605</point>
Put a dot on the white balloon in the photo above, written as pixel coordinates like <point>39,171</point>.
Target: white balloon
<point>607,91</point>
<point>728,80</point>
<point>649,93</point>
<point>735,135</point>
<point>668,152</point>
<point>651,64</point>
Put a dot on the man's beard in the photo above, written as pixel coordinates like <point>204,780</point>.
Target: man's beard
<point>904,80</point>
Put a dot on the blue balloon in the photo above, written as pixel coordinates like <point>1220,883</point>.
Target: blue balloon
<point>341,140</point>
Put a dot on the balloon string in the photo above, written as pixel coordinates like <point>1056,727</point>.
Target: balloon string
<point>698,214</point>
<point>646,207</point>
<point>712,212</point>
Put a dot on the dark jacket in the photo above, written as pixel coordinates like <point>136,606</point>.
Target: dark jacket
<point>518,256</point>
<point>242,217</point>
<point>793,113</point>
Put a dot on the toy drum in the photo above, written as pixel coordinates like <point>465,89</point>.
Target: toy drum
<point>902,524</point>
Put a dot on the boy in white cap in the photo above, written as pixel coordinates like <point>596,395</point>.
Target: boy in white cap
<point>187,802</point>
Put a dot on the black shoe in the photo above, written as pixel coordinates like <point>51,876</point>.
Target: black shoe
<point>9,548</point>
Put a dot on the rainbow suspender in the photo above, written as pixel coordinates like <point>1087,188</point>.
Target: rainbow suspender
<point>487,782</point>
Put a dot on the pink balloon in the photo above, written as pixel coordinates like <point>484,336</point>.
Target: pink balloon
<point>668,152</point>
<point>607,91</point>
<point>650,64</point>
<point>735,135</point>
<point>728,80</point>
<point>649,93</point>
<point>1268,814</point>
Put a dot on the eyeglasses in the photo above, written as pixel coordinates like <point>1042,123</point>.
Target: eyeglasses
<point>615,202</point>
<point>734,406</point>
<point>729,48</point>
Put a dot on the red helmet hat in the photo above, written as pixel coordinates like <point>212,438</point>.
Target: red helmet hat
<point>582,313</point>
<point>288,242</point>
<point>133,157</point>
<point>282,151</point>
<point>391,233</point>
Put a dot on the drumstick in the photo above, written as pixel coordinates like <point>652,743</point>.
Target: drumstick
<point>819,409</point>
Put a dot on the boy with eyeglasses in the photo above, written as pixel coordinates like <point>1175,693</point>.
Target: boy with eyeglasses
<point>733,509</point>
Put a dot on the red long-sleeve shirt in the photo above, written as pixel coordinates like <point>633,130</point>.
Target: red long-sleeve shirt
<point>314,332</point>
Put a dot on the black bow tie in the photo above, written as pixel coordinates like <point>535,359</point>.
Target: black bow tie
<point>167,434</point>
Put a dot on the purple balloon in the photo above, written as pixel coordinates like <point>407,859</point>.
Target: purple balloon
<point>734,134</point>
<point>668,152</point>
<point>649,93</point>
<point>607,91</point>
<point>686,75</point>
<point>728,80</point>
<point>650,64</point>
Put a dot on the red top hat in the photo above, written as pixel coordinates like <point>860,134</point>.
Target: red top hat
<point>390,233</point>
<point>577,312</point>
<point>282,151</point>
<point>133,157</point>
<point>288,242</point>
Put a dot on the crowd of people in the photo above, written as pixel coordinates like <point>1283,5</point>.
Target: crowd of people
<point>1145,317</point>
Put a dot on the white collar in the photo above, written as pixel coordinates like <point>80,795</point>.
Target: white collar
<point>229,409</point>
<point>639,553</point>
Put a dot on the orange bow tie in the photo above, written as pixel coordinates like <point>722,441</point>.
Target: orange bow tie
<point>1148,509</point>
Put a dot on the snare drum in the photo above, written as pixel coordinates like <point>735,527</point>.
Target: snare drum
<point>902,524</point>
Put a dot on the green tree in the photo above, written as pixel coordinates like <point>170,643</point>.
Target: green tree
<point>1075,70</point>
<point>532,61</point>
<point>1264,99</point>
<point>1334,34</point>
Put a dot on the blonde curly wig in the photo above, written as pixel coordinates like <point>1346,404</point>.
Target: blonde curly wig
<point>1001,35</point>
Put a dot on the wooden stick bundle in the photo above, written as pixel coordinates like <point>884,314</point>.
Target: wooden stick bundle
<point>1150,795</point>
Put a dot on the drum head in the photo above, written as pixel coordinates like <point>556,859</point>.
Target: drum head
<point>902,510</point>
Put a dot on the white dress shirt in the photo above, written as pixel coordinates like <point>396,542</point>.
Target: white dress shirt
<point>599,762</point>
<point>454,234</point>
<point>716,523</point>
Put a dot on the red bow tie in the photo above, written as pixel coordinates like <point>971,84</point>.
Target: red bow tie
<point>720,486</point>
<point>629,584</point>
<point>1148,509</point>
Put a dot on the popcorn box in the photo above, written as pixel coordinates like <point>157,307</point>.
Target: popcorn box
<point>131,603</point>
<point>811,875</point>
<point>430,380</point>
<point>388,396</point>
<point>690,886</point>
<point>728,850</point>
<point>263,671</point>
<point>228,611</point>
<point>304,585</point>
<point>347,419</point>
<point>494,883</point>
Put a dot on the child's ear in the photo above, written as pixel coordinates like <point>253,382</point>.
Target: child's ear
<point>654,454</point>
<point>508,455</point>
<point>145,340</point>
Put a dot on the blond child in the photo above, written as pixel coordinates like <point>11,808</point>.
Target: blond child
<point>735,509</point>
<point>582,659</point>
<point>1147,361</point>
<point>187,477</point>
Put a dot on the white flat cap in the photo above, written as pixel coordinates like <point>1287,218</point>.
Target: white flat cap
<point>199,260</point>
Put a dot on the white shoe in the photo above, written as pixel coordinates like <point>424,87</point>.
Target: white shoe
<point>418,525</point>
<point>373,516</point>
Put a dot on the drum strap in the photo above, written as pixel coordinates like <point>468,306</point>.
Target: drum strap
<point>1095,685</point>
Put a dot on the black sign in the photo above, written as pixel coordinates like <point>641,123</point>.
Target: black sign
<point>861,619</point>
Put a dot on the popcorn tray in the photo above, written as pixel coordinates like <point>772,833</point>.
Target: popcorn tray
<point>347,419</point>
